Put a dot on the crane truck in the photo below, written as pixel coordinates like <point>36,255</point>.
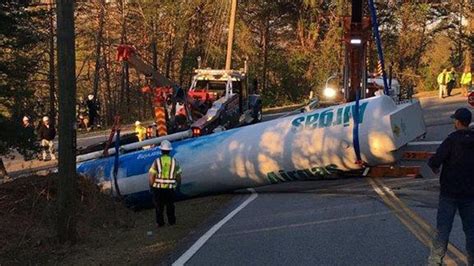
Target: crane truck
<point>217,99</point>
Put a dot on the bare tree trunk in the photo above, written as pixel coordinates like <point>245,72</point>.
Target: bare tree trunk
<point>154,50</point>
<point>470,30</point>
<point>266,41</point>
<point>421,47</point>
<point>98,47</point>
<point>67,190</point>
<point>52,67</point>
<point>185,51</point>
<point>109,102</point>
<point>126,85</point>
<point>125,81</point>
<point>169,56</point>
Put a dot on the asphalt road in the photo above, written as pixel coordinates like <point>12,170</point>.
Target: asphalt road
<point>356,221</point>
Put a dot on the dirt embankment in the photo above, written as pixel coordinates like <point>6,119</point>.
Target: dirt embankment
<point>108,233</point>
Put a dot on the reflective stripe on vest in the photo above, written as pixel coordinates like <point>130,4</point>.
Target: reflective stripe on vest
<point>166,177</point>
<point>166,181</point>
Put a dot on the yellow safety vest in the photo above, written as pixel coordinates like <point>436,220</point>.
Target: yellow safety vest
<point>141,132</point>
<point>466,78</point>
<point>444,78</point>
<point>166,170</point>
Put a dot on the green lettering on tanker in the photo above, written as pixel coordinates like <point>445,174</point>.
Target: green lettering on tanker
<point>303,174</point>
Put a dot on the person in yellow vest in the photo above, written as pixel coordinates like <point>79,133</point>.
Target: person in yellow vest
<point>443,79</point>
<point>140,131</point>
<point>164,180</point>
<point>466,81</point>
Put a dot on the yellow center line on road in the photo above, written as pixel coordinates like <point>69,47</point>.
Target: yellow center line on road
<point>413,222</point>
<point>425,225</point>
<point>402,216</point>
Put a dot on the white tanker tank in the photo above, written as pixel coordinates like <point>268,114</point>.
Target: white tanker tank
<point>296,147</point>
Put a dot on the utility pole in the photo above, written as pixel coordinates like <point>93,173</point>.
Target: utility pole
<point>66,205</point>
<point>230,40</point>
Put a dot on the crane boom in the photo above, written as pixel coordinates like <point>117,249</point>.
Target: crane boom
<point>128,53</point>
<point>166,93</point>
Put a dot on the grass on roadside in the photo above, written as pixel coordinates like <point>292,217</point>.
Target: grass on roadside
<point>108,232</point>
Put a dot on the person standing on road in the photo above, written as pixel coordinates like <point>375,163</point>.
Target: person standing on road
<point>47,133</point>
<point>28,134</point>
<point>443,80</point>
<point>164,179</point>
<point>82,114</point>
<point>452,80</point>
<point>140,131</point>
<point>92,107</point>
<point>456,155</point>
<point>466,81</point>
<point>28,127</point>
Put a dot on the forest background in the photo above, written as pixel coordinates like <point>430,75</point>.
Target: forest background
<point>292,47</point>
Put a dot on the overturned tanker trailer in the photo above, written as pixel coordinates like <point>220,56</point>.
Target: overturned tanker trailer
<point>296,147</point>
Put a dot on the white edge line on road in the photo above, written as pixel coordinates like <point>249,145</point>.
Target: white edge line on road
<point>420,143</point>
<point>203,239</point>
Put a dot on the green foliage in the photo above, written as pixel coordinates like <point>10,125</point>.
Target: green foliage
<point>292,47</point>
<point>18,39</point>
<point>421,39</point>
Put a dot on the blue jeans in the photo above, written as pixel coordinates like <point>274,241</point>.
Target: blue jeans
<point>444,223</point>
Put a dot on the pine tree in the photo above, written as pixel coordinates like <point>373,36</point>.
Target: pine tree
<point>18,62</point>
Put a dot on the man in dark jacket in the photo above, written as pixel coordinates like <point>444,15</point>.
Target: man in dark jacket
<point>93,112</point>
<point>456,155</point>
<point>452,82</point>
<point>47,133</point>
<point>28,135</point>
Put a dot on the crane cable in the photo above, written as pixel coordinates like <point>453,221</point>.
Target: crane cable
<point>355,130</point>
<point>116,162</point>
<point>373,14</point>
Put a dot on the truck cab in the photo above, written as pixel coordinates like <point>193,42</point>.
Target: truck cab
<point>223,99</point>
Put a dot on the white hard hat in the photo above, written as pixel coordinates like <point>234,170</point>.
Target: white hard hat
<point>45,118</point>
<point>166,145</point>
<point>137,123</point>
<point>90,97</point>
